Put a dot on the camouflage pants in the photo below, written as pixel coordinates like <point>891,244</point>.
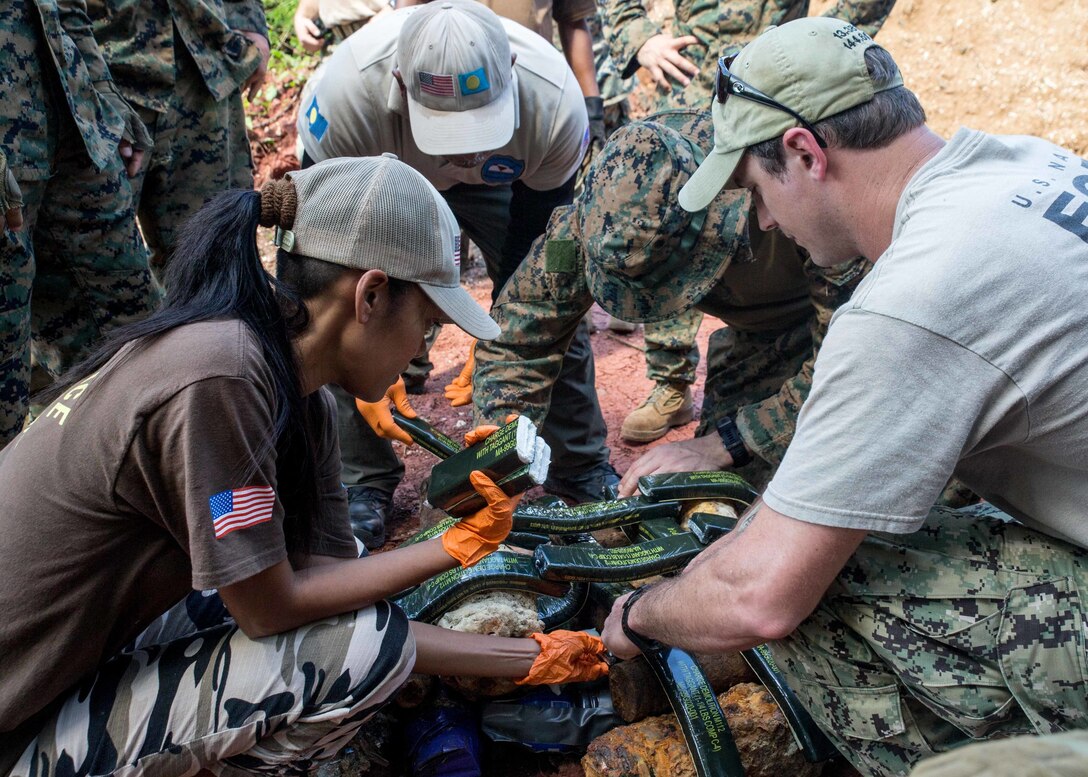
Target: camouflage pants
<point>971,628</point>
<point>201,149</point>
<point>81,260</point>
<point>212,698</point>
<point>671,353</point>
<point>744,368</point>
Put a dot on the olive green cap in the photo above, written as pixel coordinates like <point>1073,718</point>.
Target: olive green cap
<point>648,259</point>
<point>814,66</point>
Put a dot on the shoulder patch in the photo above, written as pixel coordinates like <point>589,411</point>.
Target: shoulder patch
<point>501,169</point>
<point>318,123</point>
<point>559,256</point>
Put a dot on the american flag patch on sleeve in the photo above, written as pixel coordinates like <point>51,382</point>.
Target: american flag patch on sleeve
<point>241,508</point>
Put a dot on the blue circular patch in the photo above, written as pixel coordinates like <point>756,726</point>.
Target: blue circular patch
<point>501,169</point>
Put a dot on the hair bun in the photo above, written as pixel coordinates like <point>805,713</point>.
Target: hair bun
<point>278,204</point>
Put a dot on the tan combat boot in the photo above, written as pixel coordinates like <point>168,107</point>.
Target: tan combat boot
<point>665,408</point>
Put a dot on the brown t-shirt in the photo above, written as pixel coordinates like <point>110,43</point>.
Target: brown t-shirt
<point>153,477</point>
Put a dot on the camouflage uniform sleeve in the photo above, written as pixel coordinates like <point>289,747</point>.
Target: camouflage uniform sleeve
<point>245,15</point>
<point>77,23</point>
<point>538,311</point>
<point>767,427</point>
<point>630,27</point>
<point>866,15</point>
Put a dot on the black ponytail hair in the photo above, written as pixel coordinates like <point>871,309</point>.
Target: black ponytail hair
<point>215,271</point>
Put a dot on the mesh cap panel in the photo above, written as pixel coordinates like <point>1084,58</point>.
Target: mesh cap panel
<point>378,213</point>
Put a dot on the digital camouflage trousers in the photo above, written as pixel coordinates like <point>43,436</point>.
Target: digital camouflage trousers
<point>76,269</point>
<point>970,628</point>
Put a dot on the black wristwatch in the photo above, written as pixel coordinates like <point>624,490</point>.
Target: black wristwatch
<point>731,439</point>
<point>638,640</point>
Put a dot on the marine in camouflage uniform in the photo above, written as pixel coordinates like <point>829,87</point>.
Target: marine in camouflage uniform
<point>776,303</point>
<point>79,254</point>
<point>182,63</point>
<point>721,28</point>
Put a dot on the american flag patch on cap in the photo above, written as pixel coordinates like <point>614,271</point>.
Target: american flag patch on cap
<point>241,508</point>
<point>457,249</point>
<point>435,84</point>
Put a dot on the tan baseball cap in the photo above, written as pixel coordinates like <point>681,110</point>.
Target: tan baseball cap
<point>454,59</point>
<point>814,66</point>
<point>377,213</point>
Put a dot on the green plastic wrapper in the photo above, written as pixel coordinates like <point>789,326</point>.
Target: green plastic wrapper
<point>657,528</point>
<point>591,516</point>
<point>513,456</point>
<point>498,571</point>
<point>697,485</point>
<point>426,436</point>
<point>588,563</point>
<point>708,527</point>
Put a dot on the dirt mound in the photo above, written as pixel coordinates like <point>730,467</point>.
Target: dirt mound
<point>1007,66</point>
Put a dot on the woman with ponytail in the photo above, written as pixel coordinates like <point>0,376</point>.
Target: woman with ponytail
<point>196,451</point>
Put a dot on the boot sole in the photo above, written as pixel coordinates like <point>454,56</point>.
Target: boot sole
<point>679,418</point>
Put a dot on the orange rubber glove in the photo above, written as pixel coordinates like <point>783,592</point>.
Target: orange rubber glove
<point>566,657</point>
<point>459,391</point>
<point>472,538</point>
<point>379,416</point>
<point>483,431</point>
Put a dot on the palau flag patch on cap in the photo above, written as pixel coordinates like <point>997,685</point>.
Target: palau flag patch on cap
<point>318,123</point>
<point>473,82</point>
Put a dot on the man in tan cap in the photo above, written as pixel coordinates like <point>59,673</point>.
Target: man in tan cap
<point>905,629</point>
<point>493,117</point>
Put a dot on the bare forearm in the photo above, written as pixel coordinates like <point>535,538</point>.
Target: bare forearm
<point>577,43</point>
<point>676,611</point>
<point>443,652</point>
<point>282,598</point>
<point>757,587</point>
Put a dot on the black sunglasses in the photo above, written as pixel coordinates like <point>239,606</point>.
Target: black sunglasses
<point>726,84</point>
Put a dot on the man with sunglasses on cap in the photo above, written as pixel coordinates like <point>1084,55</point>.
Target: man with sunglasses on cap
<point>906,630</point>
<point>491,114</point>
<point>626,243</point>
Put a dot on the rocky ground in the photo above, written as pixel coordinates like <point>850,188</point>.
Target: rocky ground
<point>1009,66</point>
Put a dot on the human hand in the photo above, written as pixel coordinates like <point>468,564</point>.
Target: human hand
<point>661,56</point>
<point>697,455</point>
<point>135,139</point>
<point>472,538</point>
<point>380,417</point>
<point>483,431</point>
<point>11,196</point>
<point>595,112</point>
<point>459,390</point>
<point>253,83</point>
<point>566,657</point>
<point>612,632</point>
<point>307,32</point>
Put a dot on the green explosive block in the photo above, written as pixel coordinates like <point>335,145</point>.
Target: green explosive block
<point>501,570</point>
<point>591,516</point>
<point>697,485</point>
<point>589,563</point>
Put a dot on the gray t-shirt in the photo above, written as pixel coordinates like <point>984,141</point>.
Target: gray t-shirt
<point>964,351</point>
<point>352,106</point>
<point>132,489</point>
